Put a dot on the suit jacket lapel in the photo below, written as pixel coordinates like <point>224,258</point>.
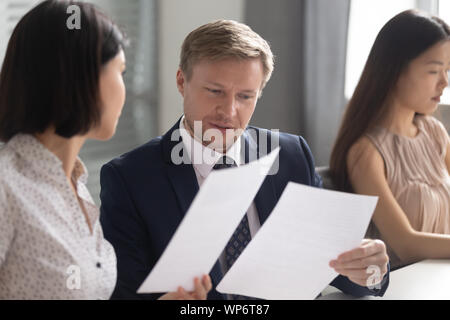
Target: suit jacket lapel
<point>181,176</point>
<point>266,199</point>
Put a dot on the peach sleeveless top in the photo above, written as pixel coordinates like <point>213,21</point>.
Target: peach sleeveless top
<point>418,176</point>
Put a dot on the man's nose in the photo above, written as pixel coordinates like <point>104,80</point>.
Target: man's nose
<point>228,105</point>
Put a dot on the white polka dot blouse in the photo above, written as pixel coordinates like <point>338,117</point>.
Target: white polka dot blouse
<point>47,250</point>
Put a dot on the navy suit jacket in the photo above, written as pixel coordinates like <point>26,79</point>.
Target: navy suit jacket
<point>144,197</point>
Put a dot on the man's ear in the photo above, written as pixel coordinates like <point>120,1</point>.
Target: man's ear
<point>181,81</point>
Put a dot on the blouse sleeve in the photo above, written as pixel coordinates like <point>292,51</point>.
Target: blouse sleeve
<point>6,226</point>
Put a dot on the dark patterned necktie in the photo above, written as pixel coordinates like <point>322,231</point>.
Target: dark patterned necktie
<point>241,236</point>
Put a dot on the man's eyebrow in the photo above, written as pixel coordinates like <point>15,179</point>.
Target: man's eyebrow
<point>215,84</point>
<point>221,86</point>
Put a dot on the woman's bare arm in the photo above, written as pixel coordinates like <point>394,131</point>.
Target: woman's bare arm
<point>367,175</point>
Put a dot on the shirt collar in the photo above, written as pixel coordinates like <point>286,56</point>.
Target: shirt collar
<point>42,159</point>
<point>203,158</point>
<point>80,173</point>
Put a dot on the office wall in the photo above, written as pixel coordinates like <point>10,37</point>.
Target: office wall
<point>281,24</point>
<point>306,94</point>
<point>176,18</point>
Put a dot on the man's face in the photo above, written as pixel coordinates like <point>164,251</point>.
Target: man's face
<point>222,95</point>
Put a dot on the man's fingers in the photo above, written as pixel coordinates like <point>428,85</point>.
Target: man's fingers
<point>183,294</point>
<point>367,263</point>
<point>379,259</point>
<point>207,282</point>
<point>354,273</point>
<point>200,290</point>
<point>367,249</point>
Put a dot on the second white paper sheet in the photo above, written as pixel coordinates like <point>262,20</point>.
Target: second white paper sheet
<point>289,256</point>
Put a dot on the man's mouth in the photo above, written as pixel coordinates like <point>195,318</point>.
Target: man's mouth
<point>220,126</point>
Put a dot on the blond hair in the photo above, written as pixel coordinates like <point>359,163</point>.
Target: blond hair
<point>224,39</point>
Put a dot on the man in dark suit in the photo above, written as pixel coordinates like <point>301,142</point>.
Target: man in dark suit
<point>146,192</point>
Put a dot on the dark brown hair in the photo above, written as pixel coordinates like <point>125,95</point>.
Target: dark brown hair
<point>50,74</point>
<point>401,40</point>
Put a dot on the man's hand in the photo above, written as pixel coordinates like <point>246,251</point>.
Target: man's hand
<point>200,292</point>
<point>366,261</point>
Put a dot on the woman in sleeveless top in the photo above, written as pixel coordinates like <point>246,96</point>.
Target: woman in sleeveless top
<point>390,146</point>
<point>58,87</point>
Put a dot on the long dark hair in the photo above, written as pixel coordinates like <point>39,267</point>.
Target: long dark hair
<point>50,74</point>
<point>401,40</point>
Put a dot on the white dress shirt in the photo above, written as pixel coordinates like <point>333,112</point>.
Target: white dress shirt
<point>204,159</point>
<point>46,248</point>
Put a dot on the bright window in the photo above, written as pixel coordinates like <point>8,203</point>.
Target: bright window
<point>367,17</point>
<point>444,10</point>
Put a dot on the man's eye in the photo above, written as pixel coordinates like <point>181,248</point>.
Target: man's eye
<point>214,91</point>
<point>245,97</point>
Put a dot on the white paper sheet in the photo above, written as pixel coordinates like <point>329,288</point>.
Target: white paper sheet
<point>289,256</point>
<point>206,228</point>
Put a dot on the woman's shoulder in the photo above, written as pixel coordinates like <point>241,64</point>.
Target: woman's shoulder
<point>9,165</point>
<point>7,157</point>
<point>363,154</point>
<point>362,147</point>
<point>6,174</point>
<point>364,162</point>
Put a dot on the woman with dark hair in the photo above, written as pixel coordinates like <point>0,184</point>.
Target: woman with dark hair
<point>58,87</point>
<point>390,146</point>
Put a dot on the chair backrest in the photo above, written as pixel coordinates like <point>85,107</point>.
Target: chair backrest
<point>443,115</point>
<point>324,172</point>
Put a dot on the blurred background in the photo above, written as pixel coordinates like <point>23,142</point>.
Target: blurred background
<point>320,48</point>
